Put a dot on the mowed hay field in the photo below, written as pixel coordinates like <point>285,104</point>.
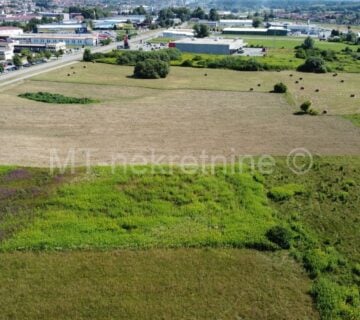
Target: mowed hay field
<point>333,94</point>
<point>184,115</point>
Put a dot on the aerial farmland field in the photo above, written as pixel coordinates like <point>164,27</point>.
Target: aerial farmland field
<point>177,116</point>
<point>151,241</point>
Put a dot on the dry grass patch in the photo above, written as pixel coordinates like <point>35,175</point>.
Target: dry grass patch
<point>134,121</point>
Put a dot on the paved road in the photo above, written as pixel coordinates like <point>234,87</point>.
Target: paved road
<point>16,76</point>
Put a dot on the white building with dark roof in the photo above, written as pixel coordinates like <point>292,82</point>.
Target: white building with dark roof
<point>209,45</point>
<point>77,40</point>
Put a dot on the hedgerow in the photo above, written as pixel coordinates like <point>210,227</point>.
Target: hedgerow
<point>55,98</point>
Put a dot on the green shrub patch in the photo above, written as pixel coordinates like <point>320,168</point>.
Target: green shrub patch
<point>55,98</point>
<point>285,192</point>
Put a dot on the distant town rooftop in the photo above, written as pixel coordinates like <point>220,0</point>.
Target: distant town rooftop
<point>55,36</point>
<point>246,29</point>
<point>254,29</point>
<point>59,26</point>
<point>236,21</point>
<point>213,41</point>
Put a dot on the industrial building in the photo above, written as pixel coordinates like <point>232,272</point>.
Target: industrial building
<point>209,23</point>
<point>52,47</point>
<point>209,45</point>
<point>69,39</point>
<point>178,33</point>
<point>273,31</point>
<point>295,28</point>
<point>62,28</point>
<point>111,23</point>
<point>309,29</point>
<point>235,23</point>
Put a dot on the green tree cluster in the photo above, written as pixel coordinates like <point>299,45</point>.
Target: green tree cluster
<point>201,31</point>
<point>151,69</point>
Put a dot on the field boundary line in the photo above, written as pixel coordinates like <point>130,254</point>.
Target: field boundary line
<point>151,88</point>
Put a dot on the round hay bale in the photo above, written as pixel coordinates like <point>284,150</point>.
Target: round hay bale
<point>302,88</point>
<point>296,81</point>
<point>342,81</point>
<point>251,89</point>
<point>325,112</point>
<point>259,84</point>
<point>352,96</point>
<point>69,75</point>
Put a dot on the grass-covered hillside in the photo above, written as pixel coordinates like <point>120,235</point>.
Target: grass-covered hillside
<point>287,223</point>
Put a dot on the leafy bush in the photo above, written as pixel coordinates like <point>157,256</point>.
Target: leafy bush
<point>300,53</point>
<point>305,107</point>
<point>201,30</point>
<point>239,64</point>
<point>313,112</point>
<point>285,192</point>
<point>281,236</point>
<point>197,58</point>
<point>87,55</point>
<point>356,269</point>
<point>317,261</point>
<point>133,57</point>
<point>151,69</point>
<point>329,55</point>
<point>173,53</point>
<point>55,98</point>
<point>313,64</point>
<point>187,63</point>
<point>280,88</point>
<point>335,301</point>
<point>309,43</point>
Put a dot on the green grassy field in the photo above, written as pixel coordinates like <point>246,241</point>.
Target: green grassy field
<point>150,210</point>
<point>281,52</point>
<point>292,42</point>
<point>165,209</point>
<point>333,96</point>
<point>161,40</point>
<point>153,284</point>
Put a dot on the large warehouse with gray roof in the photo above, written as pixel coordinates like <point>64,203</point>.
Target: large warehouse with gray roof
<point>209,45</point>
